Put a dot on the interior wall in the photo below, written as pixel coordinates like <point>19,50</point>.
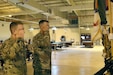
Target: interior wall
<point>28,33</point>
<point>86,31</point>
<point>70,33</point>
<point>5,32</point>
<point>88,20</point>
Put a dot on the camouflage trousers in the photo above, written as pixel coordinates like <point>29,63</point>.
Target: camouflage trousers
<point>13,73</point>
<point>11,70</point>
<point>42,72</point>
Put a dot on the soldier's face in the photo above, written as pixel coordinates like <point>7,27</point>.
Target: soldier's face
<point>19,32</point>
<point>45,26</point>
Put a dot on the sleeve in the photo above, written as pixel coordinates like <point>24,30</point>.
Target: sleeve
<point>0,53</point>
<point>47,38</point>
<point>37,49</point>
<point>47,41</point>
<point>35,45</point>
<point>9,51</point>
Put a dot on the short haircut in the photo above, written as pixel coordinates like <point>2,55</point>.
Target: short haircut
<point>13,25</point>
<point>42,21</point>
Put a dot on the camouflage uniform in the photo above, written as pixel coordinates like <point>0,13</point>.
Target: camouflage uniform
<point>107,46</point>
<point>13,53</point>
<point>42,54</point>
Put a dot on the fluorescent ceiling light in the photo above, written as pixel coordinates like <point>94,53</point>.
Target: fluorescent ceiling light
<point>54,28</point>
<point>31,29</point>
<point>87,28</point>
<point>81,27</point>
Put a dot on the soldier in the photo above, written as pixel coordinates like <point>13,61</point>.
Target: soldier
<point>42,50</point>
<point>13,51</point>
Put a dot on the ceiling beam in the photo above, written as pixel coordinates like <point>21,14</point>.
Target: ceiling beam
<point>85,6</point>
<point>27,21</point>
<point>17,13</point>
<point>9,7</point>
<point>71,2</point>
<point>86,13</point>
<point>35,6</point>
<point>68,2</point>
<point>46,9</point>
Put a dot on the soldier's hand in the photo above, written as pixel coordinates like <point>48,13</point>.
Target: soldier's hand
<point>104,55</point>
<point>43,55</point>
<point>104,30</point>
<point>19,44</point>
<point>110,36</point>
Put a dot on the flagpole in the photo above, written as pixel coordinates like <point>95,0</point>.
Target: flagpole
<point>110,19</point>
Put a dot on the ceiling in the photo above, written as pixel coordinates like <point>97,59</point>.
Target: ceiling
<point>31,11</point>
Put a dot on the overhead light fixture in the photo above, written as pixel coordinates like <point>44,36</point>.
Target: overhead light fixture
<point>31,29</point>
<point>54,28</point>
<point>10,15</point>
<point>88,28</point>
<point>47,14</point>
<point>65,22</point>
<point>81,27</point>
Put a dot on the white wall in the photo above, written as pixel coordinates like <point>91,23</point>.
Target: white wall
<point>28,34</point>
<point>5,32</point>
<point>88,20</point>
<point>70,33</point>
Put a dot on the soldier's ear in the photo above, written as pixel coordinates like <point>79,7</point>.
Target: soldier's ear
<point>41,26</point>
<point>14,31</point>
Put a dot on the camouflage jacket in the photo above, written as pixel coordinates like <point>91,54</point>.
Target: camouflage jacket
<point>107,45</point>
<point>14,54</point>
<point>42,51</point>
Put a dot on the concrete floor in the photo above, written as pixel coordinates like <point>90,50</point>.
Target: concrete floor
<point>75,61</point>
